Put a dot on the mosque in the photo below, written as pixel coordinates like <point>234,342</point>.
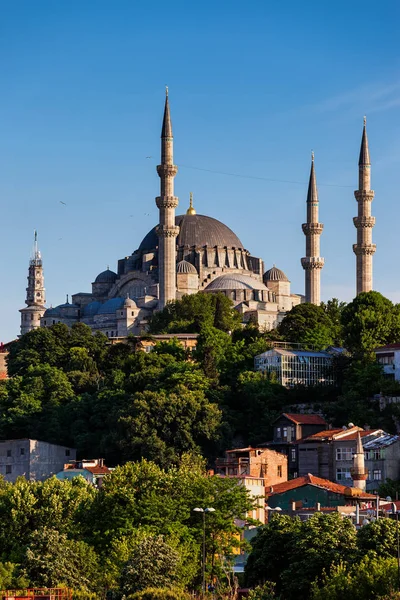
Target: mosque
<point>190,253</point>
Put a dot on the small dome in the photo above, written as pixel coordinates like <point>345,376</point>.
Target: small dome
<point>274,274</point>
<point>233,281</point>
<point>129,303</point>
<point>51,312</point>
<point>186,267</point>
<point>112,305</point>
<point>106,277</point>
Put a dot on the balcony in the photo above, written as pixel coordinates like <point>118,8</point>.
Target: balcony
<point>358,474</point>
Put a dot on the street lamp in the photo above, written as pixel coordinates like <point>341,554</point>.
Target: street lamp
<point>203,566</point>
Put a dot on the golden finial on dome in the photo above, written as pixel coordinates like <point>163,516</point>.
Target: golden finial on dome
<point>191,210</point>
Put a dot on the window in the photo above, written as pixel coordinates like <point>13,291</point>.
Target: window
<point>377,475</point>
<point>285,433</point>
<point>279,470</point>
<point>22,451</point>
<point>343,474</point>
<point>8,469</point>
<point>374,454</point>
<point>344,453</point>
<point>8,453</point>
<point>278,433</point>
<point>67,452</point>
<point>293,454</point>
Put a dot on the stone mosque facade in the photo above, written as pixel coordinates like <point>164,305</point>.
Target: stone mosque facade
<point>190,253</point>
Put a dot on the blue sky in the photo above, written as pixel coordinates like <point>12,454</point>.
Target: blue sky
<point>254,86</point>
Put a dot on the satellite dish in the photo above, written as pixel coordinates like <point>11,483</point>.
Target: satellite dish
<point>344,427</point>
<point>351,424</point>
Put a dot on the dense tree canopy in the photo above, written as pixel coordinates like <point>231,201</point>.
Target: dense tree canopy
<point>371,320</point>
<point>309,325</point>
<point>195,311</point>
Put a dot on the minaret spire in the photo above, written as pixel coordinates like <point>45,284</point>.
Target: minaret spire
<point>312,263</point>
<point>364,249</point>
<point>166,203</point>
<point>35,292</point>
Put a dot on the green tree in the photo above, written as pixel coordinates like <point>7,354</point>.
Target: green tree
<point>162,426</point>
<point>295,554</point>
<point>195,311</point>
<point>379,536</point>
<point>370,320</point>
<point>334,309</point>
<point>52,559</point>
<point>370,579</point>
<point>153,563</point>
<point>309,325</point>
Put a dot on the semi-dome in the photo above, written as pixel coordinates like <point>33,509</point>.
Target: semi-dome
<point>106,276</point>
<point>91,309</point>
<point>197,230</point>
<point>274,274</point>
<point>186,267</point>
<point>235,281</point>
<point>109,307</point>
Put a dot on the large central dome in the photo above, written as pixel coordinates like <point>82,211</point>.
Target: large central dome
<point>197,230</point>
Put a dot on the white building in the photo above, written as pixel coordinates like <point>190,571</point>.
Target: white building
<point>297,367</point>
<point>389,357</point>
<point>34,460</point>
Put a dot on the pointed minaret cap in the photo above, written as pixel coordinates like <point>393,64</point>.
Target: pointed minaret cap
<point>312,195</point>
<point>191,210</point>
<point>364,150</point>
<point>166,131</point>
<point>359,447</point>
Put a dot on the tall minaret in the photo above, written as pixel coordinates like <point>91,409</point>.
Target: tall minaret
<point>35,292</point>
<point>359,473</point>
<point>312,263</point>
<point>166,202</point>
<point>364,249</point>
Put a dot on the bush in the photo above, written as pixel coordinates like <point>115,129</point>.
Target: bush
<point>159,594</point>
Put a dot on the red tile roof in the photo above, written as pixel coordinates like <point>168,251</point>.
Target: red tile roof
<point>309,479</point>
<point>395,346</point>
<point>340,434</point>
<point>305,419</point>
<point>98,470</point>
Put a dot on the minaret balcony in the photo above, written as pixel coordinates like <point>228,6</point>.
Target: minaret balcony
<point>312,262</point>
<point>167,170</point>
<point>312,228</point>
<point>364,195</point>
<point>163,231</point>
<point>364,222</point>
<point>359,473</point>
<point>364,249</point>
<point>167,201</point>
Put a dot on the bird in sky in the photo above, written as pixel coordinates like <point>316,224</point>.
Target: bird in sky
<point>149,157</point>
<point>61,202</point>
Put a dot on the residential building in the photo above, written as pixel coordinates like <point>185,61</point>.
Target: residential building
<point>32,459</point>
<point>269,465</point>
<point>3,361</point>
<point>389,357</point>
<point>93,470</point>
<point>308,490</point>
<point>254,468</point>
<point>330,454</point>
<point>297,367</point>
<point>288,429</point>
